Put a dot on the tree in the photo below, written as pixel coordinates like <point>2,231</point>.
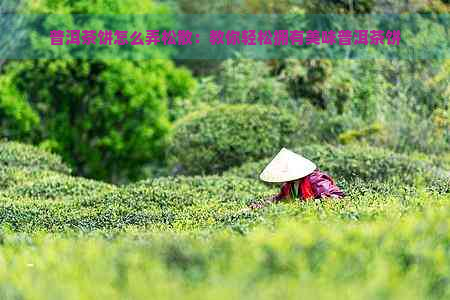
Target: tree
<point>107,118</point>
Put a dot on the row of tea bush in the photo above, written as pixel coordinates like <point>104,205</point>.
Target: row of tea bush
<point>200,203</point>
<point>383,257</point>
<point>39,198</point>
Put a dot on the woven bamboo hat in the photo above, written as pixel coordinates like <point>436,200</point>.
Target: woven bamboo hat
<point>287,166</point>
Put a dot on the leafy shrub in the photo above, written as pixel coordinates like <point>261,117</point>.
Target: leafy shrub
<point>17,119</point>
<point>177,203</point>
<point>354,161</point>
<point>306,79</point>
<point>409,131</point>
<point>27,171</point>
<point>200,188</point>
<point>34,199</point>
<point>324,126</point>
<point>360,134</point>
<point>237,84</point>
<point>240,85</point>
<point>221,7</point>
<point>189,204</point>
<point>12,176</point>
<point>214,139</point>
<point>25,214</point>
<point>107,118</point>
<point>398,257</point>
<point>103,124</point>
<point>45,185</point>
<point>13,154</point>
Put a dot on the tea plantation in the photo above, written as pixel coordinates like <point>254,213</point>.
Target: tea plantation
<point>67,237</point>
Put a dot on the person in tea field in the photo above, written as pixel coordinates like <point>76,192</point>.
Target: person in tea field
<point>301,179</point>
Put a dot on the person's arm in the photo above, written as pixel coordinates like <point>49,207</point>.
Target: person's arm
<point>283,194</point>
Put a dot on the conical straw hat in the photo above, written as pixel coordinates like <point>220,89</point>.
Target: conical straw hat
<point>287,166</point>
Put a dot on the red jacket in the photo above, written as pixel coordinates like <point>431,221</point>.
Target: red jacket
<point>315,185</point>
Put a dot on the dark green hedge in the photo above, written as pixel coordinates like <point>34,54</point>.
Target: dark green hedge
<point>217,138</point>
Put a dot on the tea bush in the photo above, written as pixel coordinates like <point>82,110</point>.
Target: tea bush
<point>206,188</point>
<point>13,154</point>
<point>356,161</point>
<point>217,138</point>
<point>41,199</point>
<point>325,259</point>
<point>12,176</point>
<point>197,232</point>
<point>36,184</point>
<point>190,204</point>
<point>166,202</point>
